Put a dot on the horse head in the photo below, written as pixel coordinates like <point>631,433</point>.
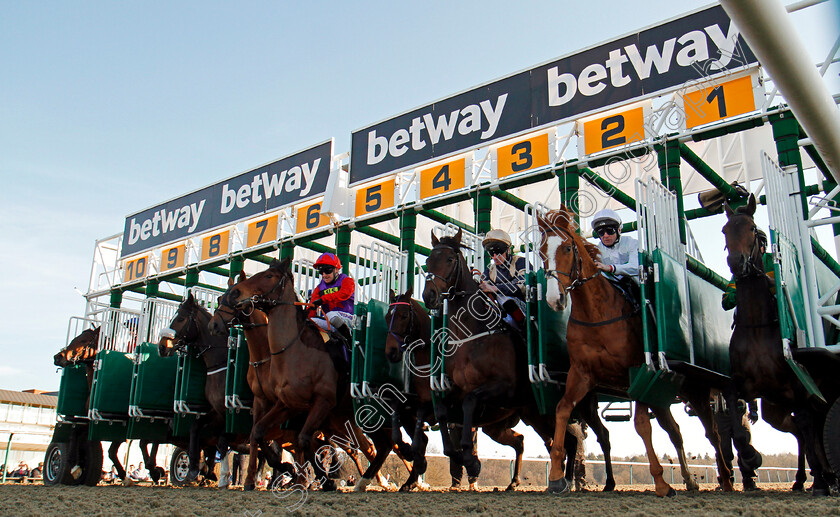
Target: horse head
<point>81,349</point>
<point>446,268</point>
<point>263,289</point>
<point>742,240</point>
<point>226,314</point>
<point>184,329</point>
<point>566,267</point>
<point>402,325</point>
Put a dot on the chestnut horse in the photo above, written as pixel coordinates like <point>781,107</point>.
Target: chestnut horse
<point>305,378</point>
<point>409,340</point>
<point>604,341</point>
<point>261,381</point>
<point>82,350</point>
<point>758,366</point>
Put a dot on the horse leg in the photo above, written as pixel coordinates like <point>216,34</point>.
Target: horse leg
<point>571,445</point>
<point>150,459</point>
<point>805,421</point>
<point>113,451</point>
<point>724,427</point>
<point>577,386</point>
<point>746,452</point>
<point>469,454</point>
<point>642,422</point>
<point>278,413</point>
<point>588,408</point>
<point>667,422</point>
<point>403,449</point>
<point>195,447</point>
<point>504,435</point>
<point>448,446</point>
<point>382,442</point>
<point>418,452</point>
<point>782,420</point>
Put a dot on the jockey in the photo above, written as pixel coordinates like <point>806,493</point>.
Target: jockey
<point>619,255</point>
<point>729,298</point>
<point>335,296</point>
<point>505,276</point>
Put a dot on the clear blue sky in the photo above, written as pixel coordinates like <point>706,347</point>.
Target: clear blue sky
<point>107,108</point>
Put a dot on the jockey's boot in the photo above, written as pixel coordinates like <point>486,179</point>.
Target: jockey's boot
<point>750,486</point>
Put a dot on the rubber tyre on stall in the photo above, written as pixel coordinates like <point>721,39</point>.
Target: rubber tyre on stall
<point>831,436</point>
<point>179,467</point>
<point>56,470</point>
<point>92,463</point>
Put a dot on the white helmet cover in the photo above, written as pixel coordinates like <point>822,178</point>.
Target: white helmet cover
<point>496,236</point>
<point>605,217</point>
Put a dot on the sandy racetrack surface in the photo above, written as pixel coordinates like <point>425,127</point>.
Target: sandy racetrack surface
<point>152,501</point>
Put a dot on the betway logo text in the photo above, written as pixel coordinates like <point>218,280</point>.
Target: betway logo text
<point>272,185</point>
<point>630,63</point>
<point>164,221</point>
<point>482,117</point>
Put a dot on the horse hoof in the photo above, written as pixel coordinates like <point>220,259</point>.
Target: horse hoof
<point>405,488</point>
<point>609,486</point>
<point>328,486</point>
<point>821,492</point>
<point>361,485</point>
<point>249,487</point>
<point>798,487</point>
<point>561,486</point>
<point>671,493</point>
<point>472,465</point>
<point>192,475</point>
<point>511,487</point>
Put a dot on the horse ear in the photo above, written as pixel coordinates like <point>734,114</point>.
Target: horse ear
<point>274,264</point>
<point>751,205</point>
<point>410,292</point>
<point>729,211</point>
<point>392,296</point>
<point>285,264</point>
<point>242,276</point>
<point>435,240</point>
<point>459,235</point>
<point>231,281</point>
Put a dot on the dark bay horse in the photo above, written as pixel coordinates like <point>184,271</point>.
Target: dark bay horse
<point>756,353</point>
<point>254,323</point>
<point>189,333</point>
<point>82,350</point>
<point>604,341</point>
<point>488,369</point>
<point>409,340</point>
<point>305,372</point>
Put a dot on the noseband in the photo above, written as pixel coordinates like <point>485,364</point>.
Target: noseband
<point>263,302</point>
<point>575,273</point>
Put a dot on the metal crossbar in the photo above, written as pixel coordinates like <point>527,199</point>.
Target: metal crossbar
<point>384,266</point>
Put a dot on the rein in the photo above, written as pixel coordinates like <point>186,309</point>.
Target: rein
<point>450,293</point>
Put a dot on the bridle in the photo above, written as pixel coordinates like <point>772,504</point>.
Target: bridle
<point>401,340</point>
<point>576,271</point>
<point>88,356</point>
<point>754,256</point>
<point>188,335</point>
<point>452,279</point>
<point>237,316</point>
<point>263,302</point>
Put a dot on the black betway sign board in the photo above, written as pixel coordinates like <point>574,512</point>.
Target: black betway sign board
<point>698,45</point>
<point>278,184</point>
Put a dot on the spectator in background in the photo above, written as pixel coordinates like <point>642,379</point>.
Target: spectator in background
<point>37,472</point>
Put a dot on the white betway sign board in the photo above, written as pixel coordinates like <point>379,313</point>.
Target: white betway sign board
<point>656,59</point>
<point>284,182</point>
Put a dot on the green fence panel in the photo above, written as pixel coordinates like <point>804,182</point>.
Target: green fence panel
<point>378,370</point>
<point>153,383</point>
<point>673,326</point>
<point>189,388</point>
<point>108,430</point>
<point>710,324</point>
<point>789,284</point>
<point>73,391</point>
<point>239,420</point>
<point>357,357</point>
<point>112,383</point>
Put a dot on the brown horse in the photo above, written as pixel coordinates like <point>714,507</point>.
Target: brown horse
<point>255,327</point>
<point>604,341</point>
<point>304,369</point>
<point>758,366</point>
<point>82,350</point>
<point>410,339</point>
<point>189,333</point>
